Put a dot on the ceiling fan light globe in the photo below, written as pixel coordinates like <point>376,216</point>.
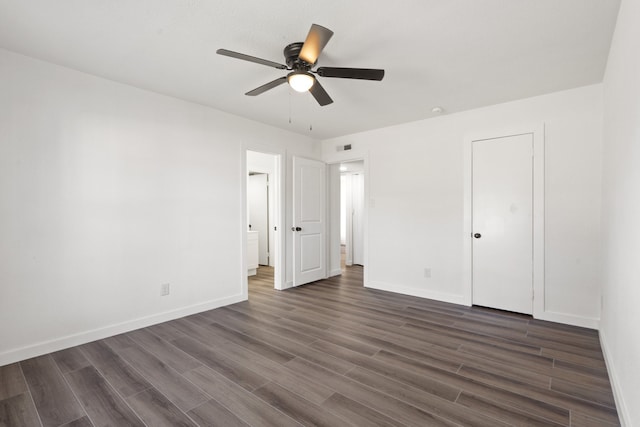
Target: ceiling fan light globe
<point>300,81</point>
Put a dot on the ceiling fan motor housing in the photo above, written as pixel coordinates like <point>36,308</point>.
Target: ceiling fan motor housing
<point>291,55</point>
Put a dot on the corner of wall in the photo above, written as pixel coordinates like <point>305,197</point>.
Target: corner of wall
<point>614,379</point>
<point>569,319</point>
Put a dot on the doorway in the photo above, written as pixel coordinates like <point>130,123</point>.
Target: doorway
<point>352,212</point>
<point>263,218</point>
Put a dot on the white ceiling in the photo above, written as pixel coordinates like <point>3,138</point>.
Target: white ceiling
<point>458,54</point>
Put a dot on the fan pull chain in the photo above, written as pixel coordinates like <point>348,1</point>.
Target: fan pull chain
<point>289,106</point>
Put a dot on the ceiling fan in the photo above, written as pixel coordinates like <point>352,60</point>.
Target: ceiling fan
<point>300,59</point>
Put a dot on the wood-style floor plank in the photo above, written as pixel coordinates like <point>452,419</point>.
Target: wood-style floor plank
<point>245,405</point>
<point>356,413</point>
<point>156,410</point>
<point>293,347</point>
<point>252,344</point>
<point>99,399</point>
<point>70,360</point>
<point>80,422</point>
<point>211,413</point>
<point>53,398</point>
<point>423,400</point>
<point>218,361</point>
<point>301,410</point>
<point>581,420</point>
<point>11,381</point>
<point>165,379</point>
<point>326,353</point>
<point>503,412</point>
<point>367,396</point>
<point>121,376</point>
<point>18,411</point>
<point>591,393</point>
<point>163,350</point>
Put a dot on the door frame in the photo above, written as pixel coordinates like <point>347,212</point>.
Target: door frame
<point>538,133</point>
<point>278,181</point>
<point>364,157</point>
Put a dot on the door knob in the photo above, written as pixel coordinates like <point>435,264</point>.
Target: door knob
<point>296,229</point>
<point>477,235</point>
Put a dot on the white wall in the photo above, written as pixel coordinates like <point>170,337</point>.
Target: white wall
<point>107,192</point>
<point>416,188</point>
<point>619,332</point>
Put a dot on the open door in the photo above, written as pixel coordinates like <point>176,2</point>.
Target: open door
<point>309,263</point>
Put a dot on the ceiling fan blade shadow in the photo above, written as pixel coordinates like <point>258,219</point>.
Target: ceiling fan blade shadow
<point>351,73</point>
<point>320,94</point>
<point>250,58</point>
<point>267,86</point>
<point>317,39</point>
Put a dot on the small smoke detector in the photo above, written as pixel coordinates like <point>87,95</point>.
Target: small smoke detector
<point>437,110</point>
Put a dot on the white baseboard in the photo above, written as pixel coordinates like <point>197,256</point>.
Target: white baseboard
<point>569,319</point>
<point>621,406</point>
<point>422,293</point>
<point>45,347</point>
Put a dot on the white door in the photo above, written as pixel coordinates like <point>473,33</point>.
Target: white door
<point>357,197</point>
<point>308,221</point>
<point>258,202</point>
<point>503,223</point>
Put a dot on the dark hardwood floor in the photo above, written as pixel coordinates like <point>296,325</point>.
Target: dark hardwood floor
<point>330,353</point>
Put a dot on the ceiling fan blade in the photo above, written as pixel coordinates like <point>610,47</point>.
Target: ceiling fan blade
<point>266,87</point>
<point>250,58</point>
<point>351,73</point>
<point>320,94</point>
<point>317,39</point>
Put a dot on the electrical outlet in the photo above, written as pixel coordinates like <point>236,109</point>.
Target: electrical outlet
<point>164,289</point>
<point>427,272</point>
